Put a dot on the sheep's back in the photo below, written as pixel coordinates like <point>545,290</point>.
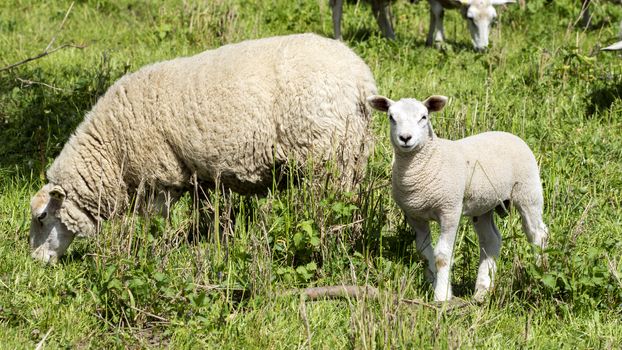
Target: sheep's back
<point>237,111</point>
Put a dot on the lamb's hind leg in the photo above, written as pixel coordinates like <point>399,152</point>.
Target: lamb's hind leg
<point>533,225</point>
<point>489,246</point>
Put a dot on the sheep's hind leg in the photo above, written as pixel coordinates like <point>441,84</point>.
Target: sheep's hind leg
<point>423,241</point>
<point>443,255</point>
<point>436,34</point>
<point>489,246</point>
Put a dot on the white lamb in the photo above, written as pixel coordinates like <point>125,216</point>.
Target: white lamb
<point>479,15</point>
<point>232,115</point>
<point>438,179</point>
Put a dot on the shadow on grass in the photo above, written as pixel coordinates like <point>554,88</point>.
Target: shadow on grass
<point>601,99</point>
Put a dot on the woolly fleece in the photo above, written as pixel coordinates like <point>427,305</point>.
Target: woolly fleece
<point>232,115</point>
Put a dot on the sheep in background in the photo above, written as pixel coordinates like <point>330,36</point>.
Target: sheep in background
<point>478,13</point>
<point>613,47</point>
<point>382,12</point>
<point>438,179</point>
<point>230,116</point>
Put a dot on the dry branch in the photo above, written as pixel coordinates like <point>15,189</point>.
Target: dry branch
<point>48,50</point>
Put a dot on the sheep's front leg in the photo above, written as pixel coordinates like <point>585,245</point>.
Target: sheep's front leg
<point>443,255</point>
<point>423,241</point>
<point>337,7</point>
<point>382,12</point>
<point>436,33</point>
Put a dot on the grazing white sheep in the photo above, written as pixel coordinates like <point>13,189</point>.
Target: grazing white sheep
<point>613,47</point>
<point>438,179</point>
<point>230,116</point>
<point>479,15</point>
<point>382,12</point>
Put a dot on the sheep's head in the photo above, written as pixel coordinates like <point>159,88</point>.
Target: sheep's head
<point>410,126</point>
<point>480,14</point>
<point>55,222</point>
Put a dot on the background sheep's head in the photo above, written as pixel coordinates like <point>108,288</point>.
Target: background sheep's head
<point>410,127</point>
<point>55,222</point>
<point>480,14</point>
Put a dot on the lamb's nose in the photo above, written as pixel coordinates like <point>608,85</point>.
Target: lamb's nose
<point>405,138</point>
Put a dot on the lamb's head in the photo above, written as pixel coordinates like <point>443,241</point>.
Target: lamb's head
<point>480,14</point>
<point>410,126</point>
<point>55,222</point>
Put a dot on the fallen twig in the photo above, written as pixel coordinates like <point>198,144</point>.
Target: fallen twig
<point>165,320</point>
<point>43,54</point>
<point>334,292</point>
<point>42,342</point>
<point>30,82</point>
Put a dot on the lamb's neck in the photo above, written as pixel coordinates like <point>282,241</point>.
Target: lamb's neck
<point>413,168</point>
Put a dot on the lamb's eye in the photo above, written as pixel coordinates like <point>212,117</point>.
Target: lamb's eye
<point>42,216</point>
<point>391,119</point>
<point>424,117</point>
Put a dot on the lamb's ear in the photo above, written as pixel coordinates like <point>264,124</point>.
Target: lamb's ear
<point>435,103</point>
<point>379,103</point>
<point>76,220</point>
<point>502,2</point>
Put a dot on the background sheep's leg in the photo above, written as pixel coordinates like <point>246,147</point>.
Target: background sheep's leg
<point>443,255</point>
<point>337,7</point>
<point>382,12</point>
<point>436,33</point>
<point>423,241</point>
<point>489,246</point>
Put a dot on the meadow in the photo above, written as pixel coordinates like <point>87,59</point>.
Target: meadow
<point>144,282</point>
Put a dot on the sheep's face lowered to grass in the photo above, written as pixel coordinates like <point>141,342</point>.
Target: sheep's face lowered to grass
<point>409,119</point>
<point>54,223</point>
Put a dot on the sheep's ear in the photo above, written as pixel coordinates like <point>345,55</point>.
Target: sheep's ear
<point>435,103</point>
<point>380,103</point>
<point>502,2</point>
<point>76,220</point>
<point>57,193</point>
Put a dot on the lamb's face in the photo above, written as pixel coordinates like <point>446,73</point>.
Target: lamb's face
<point>409,119</point>
<point>409,124</point>
<point>49,237</point>
<point>480,15</point>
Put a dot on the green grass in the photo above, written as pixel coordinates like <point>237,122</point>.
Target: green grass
<point>142,284</point>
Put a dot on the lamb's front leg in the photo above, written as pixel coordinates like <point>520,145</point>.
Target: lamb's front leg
<point>423,241</point>
<point>443,255</point>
